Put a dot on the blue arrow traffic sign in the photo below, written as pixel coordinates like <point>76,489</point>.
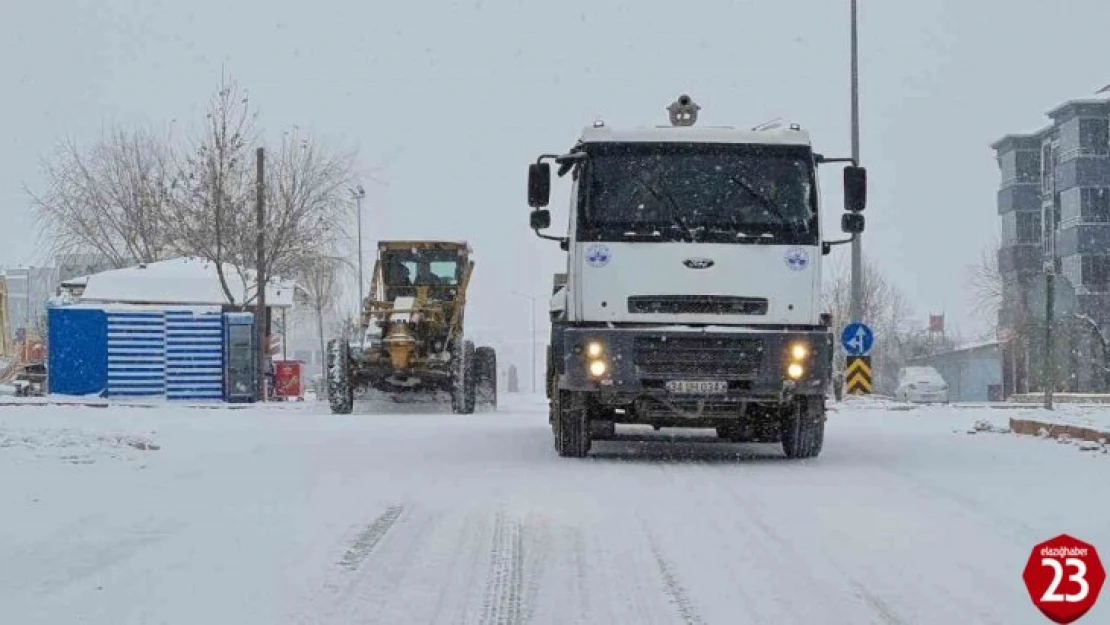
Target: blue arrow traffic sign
<point>857,339</point>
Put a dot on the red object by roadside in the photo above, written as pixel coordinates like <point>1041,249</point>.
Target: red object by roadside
<point>287,379</point>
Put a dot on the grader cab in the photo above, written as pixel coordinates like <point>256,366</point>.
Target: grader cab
<point>410,333</point>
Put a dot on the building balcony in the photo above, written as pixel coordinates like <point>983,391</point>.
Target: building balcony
<point>1025,196</point>
<point>1020,260</point>
<point>1083,239</point>
<point>1083,171</point>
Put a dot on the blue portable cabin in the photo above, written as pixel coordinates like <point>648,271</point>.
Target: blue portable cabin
<point>152,330</point>
<point>136,351</point>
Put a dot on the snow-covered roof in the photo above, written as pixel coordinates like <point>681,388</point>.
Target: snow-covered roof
<point>75,281</point>
<point>973,346</point>
<point>185,281</point>
<point>696,134</point>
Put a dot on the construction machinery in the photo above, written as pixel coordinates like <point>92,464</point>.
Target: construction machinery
<point>22,361</point>
<point>409,337</point>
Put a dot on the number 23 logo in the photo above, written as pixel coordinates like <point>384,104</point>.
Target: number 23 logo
<point>1079,577</point>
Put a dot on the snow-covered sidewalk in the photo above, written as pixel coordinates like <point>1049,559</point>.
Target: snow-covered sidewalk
<point>292,515</point>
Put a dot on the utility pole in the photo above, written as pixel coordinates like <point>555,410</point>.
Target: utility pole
<point>260,295</point>
<point>857,248</point>
<point>533,300</point>
<point>1049,360</point>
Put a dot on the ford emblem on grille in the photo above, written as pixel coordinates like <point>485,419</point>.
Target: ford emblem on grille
<point>698,263</point>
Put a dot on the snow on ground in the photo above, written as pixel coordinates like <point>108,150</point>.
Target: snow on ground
<point>291,515</point>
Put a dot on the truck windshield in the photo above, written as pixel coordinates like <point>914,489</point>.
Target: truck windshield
<point>699,193</point>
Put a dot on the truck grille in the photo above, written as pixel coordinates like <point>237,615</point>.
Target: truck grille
<point>697,305</point>
<point>697,357</point>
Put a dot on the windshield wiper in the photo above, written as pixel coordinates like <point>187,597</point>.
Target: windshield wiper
<point>676,217</point>
<point>767,202</point>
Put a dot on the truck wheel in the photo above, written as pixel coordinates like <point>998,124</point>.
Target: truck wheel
<point>340,393</point>
<point>485,371</point>
<point>548,378</point>
<point>572,426</point>
<point>803,427</point>
<point>463,391</point>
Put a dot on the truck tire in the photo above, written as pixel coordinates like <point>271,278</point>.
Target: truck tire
<point>485,372</point>
<point>572,425</point>
<point>341,397</point>
<point>803,427</point>
<point>548,377</point>
<point>463,391</point>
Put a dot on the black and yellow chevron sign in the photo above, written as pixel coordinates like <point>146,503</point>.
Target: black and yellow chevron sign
<point>858,373</point>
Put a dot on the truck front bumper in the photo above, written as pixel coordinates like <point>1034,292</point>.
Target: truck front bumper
<point>715,366</point>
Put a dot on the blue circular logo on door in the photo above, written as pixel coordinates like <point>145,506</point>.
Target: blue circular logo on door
<point>598,255</point>
<point>796,258</point>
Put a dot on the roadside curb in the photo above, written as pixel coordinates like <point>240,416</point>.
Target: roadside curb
<point>1032,427</point>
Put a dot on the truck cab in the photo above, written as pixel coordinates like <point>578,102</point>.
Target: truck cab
<point>691,294</point>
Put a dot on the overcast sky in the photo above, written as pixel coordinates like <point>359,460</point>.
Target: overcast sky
<point>454,101</point>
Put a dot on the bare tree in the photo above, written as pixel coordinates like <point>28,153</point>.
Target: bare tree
<point>318,286</point>
<point>112,199</point>
<point>884,308</point>
<point>214,196</point>
<point>306,208</point>
<point>990,287</point>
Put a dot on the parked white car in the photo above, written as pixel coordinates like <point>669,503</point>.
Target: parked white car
<point>921,385</point>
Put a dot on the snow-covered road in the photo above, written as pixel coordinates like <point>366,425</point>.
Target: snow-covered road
<point>292,515</point>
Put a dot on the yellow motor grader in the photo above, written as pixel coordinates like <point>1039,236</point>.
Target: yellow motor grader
<point>409,337</point>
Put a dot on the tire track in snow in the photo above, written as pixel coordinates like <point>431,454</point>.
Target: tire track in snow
<point>882,610</point>
<point>369,538</point>
<point>505,577</point>
<point>581,579</point>
<point>673,587</point>
<point>755,512</point>
<point>367,583</point>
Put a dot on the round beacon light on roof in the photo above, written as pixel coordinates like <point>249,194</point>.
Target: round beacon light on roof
<point>683,111</point>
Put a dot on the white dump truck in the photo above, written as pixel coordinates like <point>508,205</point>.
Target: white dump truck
<point>691,295</point>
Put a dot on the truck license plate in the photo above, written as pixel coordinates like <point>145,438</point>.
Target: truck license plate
<point>697,387</point>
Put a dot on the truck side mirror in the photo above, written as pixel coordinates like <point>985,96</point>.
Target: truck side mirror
<point>539,184</point>
<point>541,219</point>
<point>855,188</point>
<point>852,223</point>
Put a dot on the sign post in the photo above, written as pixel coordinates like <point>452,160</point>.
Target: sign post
<point>857,340</point>
<point>1064,577</point>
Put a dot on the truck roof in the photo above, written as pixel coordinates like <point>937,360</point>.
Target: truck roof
<point>435,244</point>
<point>695,134</point>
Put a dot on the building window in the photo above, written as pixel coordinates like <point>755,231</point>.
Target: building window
<point>1096,272</point>
<point>1028,166</point>
<point>1047,235</point>
<point>1021,228</point>
<point>1047,169</point>
<point>1071,267</point>
<point>1094,136</point>
<point>1095,205</point>
<point>1028,227</point>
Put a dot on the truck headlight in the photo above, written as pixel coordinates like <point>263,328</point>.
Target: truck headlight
<point>795,371</point>
<point>799,351</point>
<point>593,349</point>
<point>598,368</point>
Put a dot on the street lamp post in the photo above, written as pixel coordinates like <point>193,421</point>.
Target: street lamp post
<point>358,193</point>
<point>857,248</point>
<point>533,337</point>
